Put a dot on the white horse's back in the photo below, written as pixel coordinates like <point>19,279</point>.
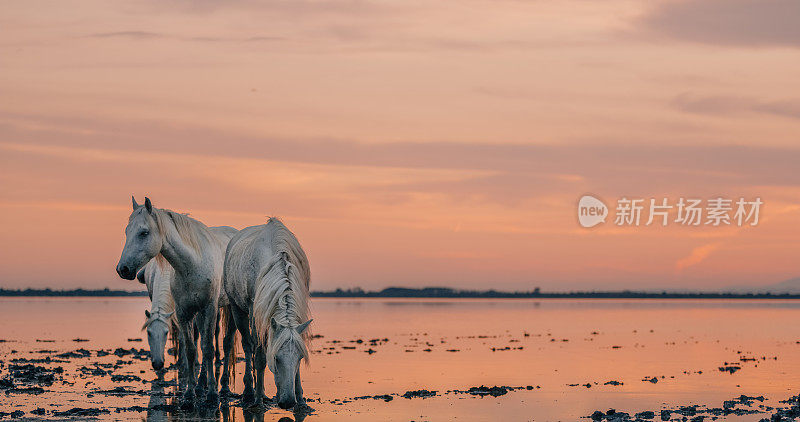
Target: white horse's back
<point>252,251</point>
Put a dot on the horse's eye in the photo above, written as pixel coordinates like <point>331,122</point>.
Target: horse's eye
<point>143,233</point>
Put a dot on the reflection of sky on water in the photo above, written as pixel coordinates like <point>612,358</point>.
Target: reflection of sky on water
<point>443,344</point>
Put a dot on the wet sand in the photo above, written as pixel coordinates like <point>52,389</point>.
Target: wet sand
<point>433,360</point>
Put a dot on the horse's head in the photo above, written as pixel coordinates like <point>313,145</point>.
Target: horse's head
<point>286,362</point>
<point>157,326</point>
<point>143,240</point>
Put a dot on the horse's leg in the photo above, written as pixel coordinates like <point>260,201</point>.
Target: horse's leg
<point>181,361</point>
<point>200,389</point>
<point>243,324</point>
<point>196,337</point>
<point>217,360</point>
<point>207,340</point>
<point>189,351</point>
<point>227,347</point>
<point>261,364</point>
<point>298,390</point>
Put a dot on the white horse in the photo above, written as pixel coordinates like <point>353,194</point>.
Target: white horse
<point>157,275</point>
<point>196,253</point>
<point>267,280</point>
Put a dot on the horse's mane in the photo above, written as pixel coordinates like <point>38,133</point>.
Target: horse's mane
<point>282,293</point>
<point>192,232</point>
<point>158,277</point>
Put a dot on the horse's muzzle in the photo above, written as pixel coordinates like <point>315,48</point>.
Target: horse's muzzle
<point>126,272</point>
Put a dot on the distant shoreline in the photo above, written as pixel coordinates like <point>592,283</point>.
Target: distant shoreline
<point>434,293</point>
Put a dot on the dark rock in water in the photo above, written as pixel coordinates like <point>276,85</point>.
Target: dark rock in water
<point>488,391</point>
<point>384,397</point>
<point>17,414</point>
<point>29,373</point>
<point>665,415</point>
<point>125,378</point>
<point>6,382</point>
<point>687,410</point>
<point>730,368</point>
<point>650,379</point>
<point>25,390</point>
<point>101,353</point>
<point>47,359</point>
<point>646,415</point>
<point>38,411</point>
<point>598,415</point>
<point>419,393</point>
<point>140,354</point>
<point>135,339</point>
<point>165,407</point>
<point>80,412</point>
<point>80,353</point>
<point>613,382</point>
<point>121,391</point>
<point>131,409</point>
<point>38,340</point>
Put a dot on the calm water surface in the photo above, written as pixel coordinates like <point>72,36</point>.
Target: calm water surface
<point>550,345</point>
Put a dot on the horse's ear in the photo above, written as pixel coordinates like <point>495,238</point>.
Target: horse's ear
<point>135,204</point>
<point>302,327</point>
<point>273,323</point>
<point>148,205</point>
<point>147,313</point>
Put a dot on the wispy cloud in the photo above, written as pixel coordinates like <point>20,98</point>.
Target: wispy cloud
<point>139,35</point>
<point>749,23</point>
<point>146,35</point>
<point>698,255</point>
<point>735,105</point>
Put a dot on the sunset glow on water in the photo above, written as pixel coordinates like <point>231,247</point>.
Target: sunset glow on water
<point>553,345</point>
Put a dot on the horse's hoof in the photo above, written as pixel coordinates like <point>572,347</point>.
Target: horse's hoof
<point>248,397</point>
<point>302,408</point>
<point>188,398</point>
<point>258,405</point>
<point>212,398</point>
<point>187,404</point>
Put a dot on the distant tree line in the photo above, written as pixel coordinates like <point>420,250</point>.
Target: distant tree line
<point>74,292</point>
<point>439,292</point>
<point>445,292</point>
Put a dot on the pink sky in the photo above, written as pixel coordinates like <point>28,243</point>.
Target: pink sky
<point>409,143</point>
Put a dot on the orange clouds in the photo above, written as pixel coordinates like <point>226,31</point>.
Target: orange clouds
<point>413,143</point>
<point>697,256</point>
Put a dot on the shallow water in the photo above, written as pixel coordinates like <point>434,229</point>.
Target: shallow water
<point>552,345</point>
